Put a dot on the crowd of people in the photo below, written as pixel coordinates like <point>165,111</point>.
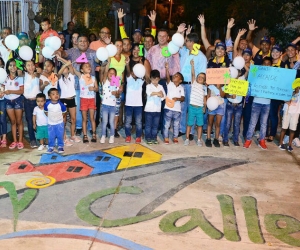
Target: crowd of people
<point>173,93</point>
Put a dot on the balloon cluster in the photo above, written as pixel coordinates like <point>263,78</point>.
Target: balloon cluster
<point>52,43</point>
<point>3,75</point>
<point>173,46</point>
<point>104,53</point>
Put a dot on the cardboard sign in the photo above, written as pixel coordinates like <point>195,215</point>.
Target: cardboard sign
<point>217,76</point>
<point>237,87</point>
<point>271,82</point>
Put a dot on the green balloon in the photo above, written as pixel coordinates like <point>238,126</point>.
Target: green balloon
<point>165,52</point>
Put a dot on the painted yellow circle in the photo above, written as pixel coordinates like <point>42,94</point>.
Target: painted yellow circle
<point>41,182</point>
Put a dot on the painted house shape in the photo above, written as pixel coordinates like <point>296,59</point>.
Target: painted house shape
<point>20,167</point>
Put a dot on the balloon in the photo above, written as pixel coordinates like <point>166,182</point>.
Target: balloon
<point>47,52</point>
<point>178,39</point>
<point>26,53</point>
<point>55,43</point>
<point>165,52</point>
<point>233,72</point>
<point>3,75</point>
<point>112,50</point>
<point>12,42</point>
<point>212,103</point>
<point>139,70</point>
<point>238,62</point>
<point>102,54</point>
<point>172,48</point>
<point>47,41</point>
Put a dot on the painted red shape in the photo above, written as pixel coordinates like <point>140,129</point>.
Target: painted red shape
<point>20,167</point>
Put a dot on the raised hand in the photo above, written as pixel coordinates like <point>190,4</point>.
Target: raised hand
<point>121,13</point>
<point>230,23</point>
<point>201,20</point>
<point>152,15</point>
<point>251,24</point>
<point>242,32</point>
<point>192,63</point>
<point>181,28</point>
<point>189,29</point>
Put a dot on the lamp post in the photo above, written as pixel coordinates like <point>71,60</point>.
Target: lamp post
<point>170,14</point>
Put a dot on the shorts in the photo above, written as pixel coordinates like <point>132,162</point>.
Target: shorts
<point>42,132</point>
<point>87,103</point>
<point>290,121</point>
<point>220,110</point>
<point>69,103</point>
<point>17,103</point>
<point>195,112</point>
<point>118,104</point>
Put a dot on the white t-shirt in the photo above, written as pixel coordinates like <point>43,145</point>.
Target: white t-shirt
<point>67,86</point>
<point>198,91</point>
<point>49,86</point>
<point>31,86</point>
<point>41,118</point>
<point>177,92</point>
<point>294,107</point>
<point>55,112</point>
<point>153,103</point>
<point>108,99</point>
<point>13,84</point>
<point>134,91</point>
<point>84,88</point>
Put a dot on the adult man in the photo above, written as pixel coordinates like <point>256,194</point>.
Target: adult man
<point>4,51</point>
<point>148,43</point>
<point>68,34</point>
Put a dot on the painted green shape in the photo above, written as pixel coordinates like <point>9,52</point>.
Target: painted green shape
<point>230,227</point>
<point>283,234</point>
<point>168,223</point>
<point>254,70</point>
<point>28,196</point>
<point>141,46</point>
<point>226,77</point>
<point>249,205</point>
<point>84,213</point>
<point>19,64</point>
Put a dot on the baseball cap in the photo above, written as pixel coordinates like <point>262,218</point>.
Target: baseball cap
<point>221,44</point>
<point>265,39</point>
<point>22,35</point>
<point>247,51</point>
<point>291,45</point>
<point>277,47</point>
<point>137,30</point>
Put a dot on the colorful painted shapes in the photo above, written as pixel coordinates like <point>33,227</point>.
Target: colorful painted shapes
<point>40,182</point>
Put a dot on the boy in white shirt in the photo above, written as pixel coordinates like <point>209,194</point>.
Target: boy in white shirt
<point>173,105</point>
<point>155,95</point>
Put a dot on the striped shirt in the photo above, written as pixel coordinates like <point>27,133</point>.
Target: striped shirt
<point>198,92</point>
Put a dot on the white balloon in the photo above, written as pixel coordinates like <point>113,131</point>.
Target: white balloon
<point>139,70</point>
<point>112,50</point>
<point>3,75</point>
<point>55,43</point>
<point>48,41</point>
<point>178,39</point>
<point>233,72</point>
<point>102,54</point>
<point>173,49</point>
<point>47,52</point>
<point>238,62</point>
<point>212,103</point>
<point>12,42</point>
<point>26,53</point>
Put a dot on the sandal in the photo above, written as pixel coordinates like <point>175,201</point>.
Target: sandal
<point>85,139</point>
<point>94,137</point>
<point>13,145</point>
<point>3,144</point>
<point>20,145</point>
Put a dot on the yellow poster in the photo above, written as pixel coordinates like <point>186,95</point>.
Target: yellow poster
<point>237,87</point>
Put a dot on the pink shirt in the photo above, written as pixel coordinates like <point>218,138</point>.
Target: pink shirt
<point>158,61</point>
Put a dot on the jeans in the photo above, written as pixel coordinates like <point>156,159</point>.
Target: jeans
<point>56,131</point>
<point>236,111</point>
<point>3,122</point>
<point>151,125</point>
<point>223,121</point>
<point>273,118</point>
<point>170,116</point>
<point>163,83</point>
<point>131,111</point>
<point>262,110</point>
<point>185,109</point>
<point>247,115</point>
<point>108,116</point>
<point>205,116</point>
<point>28,108</point>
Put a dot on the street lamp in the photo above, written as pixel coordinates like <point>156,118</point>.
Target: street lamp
<point>170,14</point>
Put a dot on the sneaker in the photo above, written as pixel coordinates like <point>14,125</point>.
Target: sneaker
<point>181,134</point>
<point>186,142</point>
<point>102,140</point>
<point>204,132</point>
<point>290,149</point>
<point>225,144</point>
<point>155,141</point>
<point>247,144</point>
<point>13,145</point>
<point>286,139</point>
<point>216,143</point>
<point>166,140</point>
<point>60,150</point>
<point>78,132</point>
<point>262,144</point>
<point>191,137</point>
<point>220,138</point>
<point>41,147</point>
<point>175,140</point>
<point>138,140</point>
<point>208,143</point>
<point>20,145</point>
<point>199,143</point>
<point>33,144</point>
<point>282,147</point>
<point>68,143</point>
<point>296,142</point>
<point>149,142</point>
<point>128,139</point>
<point>117,134</point>
<point>236,144</point>
<point>50,150</point>
<point>111,139</point>
<point>75,139</point>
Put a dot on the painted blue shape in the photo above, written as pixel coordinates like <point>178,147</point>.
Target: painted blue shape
<point>87,234</point>
<point>101,162</point>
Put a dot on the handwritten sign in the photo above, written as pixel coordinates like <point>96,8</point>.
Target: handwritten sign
<point>271,82</point>
<point>237,87</point>
<point>217,76</point>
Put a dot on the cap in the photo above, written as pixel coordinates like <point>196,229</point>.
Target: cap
<point>22,35</point>
<point>277,47</point>
<point>137,30</point>
<point>292,45</point>
<point>247,51</point>
<point>265,39</point>
<point>221,44</point>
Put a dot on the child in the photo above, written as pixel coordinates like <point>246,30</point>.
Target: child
<point>133,104</point>
<point>173,107</point>
<point>197,105</point>
<point>40,121</point>
<point>290,119</point>
<point>3,123</point>
<point>260,108</point>
<point>48,79</point>
<point>55,111</point>
<point>88,87</point>
<point>14,103</point>
<point>155,95</point>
